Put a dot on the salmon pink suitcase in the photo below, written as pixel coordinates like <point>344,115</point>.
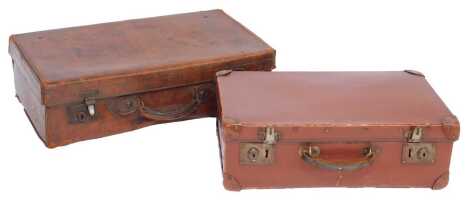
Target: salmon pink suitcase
<point>333,129</point>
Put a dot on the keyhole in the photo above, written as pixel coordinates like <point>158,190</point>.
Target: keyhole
<point>81,116</point>
<point>266,153</point>
<point>253,154</point>
<point>409,153</point>
<point>423,153</point>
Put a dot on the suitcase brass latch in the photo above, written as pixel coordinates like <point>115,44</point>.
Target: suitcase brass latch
<point>90,103</point>
<point>270,136</point>
<point>84,111</point>
<point>260,153</point>
<point>415,151</point>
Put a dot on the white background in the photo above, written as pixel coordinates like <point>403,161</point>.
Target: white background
<point>181,160</point>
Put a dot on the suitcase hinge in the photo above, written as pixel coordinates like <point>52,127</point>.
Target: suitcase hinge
<point>415,151</point>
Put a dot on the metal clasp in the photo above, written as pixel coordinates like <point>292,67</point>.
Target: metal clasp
<point>90,102</point>
<point>270,136</point>
<point>84,111</point>
<point>415,135</point>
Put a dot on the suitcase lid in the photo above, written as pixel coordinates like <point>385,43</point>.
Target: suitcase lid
<point>362,104</point>
<point>133,56</point>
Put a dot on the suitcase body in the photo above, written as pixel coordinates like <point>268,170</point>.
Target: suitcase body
<point>333,129</point>
<point>87,82</point>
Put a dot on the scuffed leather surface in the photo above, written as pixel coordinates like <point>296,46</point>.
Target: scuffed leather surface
<point>143,54</point>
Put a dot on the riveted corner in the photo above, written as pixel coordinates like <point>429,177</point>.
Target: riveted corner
<point>451,127</point>
<point>441,182</point>
<point>231,183</point>
<point>223,73</point>
<point>414,72</point>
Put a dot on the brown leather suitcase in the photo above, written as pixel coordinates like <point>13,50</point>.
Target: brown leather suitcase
<point>92,81</point>
<point>333,129</point>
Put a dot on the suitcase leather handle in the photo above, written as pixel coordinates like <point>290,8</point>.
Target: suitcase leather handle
<point>311,155</point>
<point>198,97</point>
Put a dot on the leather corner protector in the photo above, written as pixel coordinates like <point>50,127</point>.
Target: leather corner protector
<point>441,182</point>
<point>223,73</point>
<point>232,128</point>
<point>50,144</point>
<point>231,124</point>
<point>11,43</point>
<point>231,183</point>
<point>414,72</point>
<point>451,127</point>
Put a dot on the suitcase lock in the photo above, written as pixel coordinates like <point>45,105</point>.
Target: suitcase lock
<point>259,153</point>
<point>84,111</point>
<point>415,151</point>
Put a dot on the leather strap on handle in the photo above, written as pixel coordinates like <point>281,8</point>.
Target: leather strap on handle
<point>311,155</point>
<point>198,96</point>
